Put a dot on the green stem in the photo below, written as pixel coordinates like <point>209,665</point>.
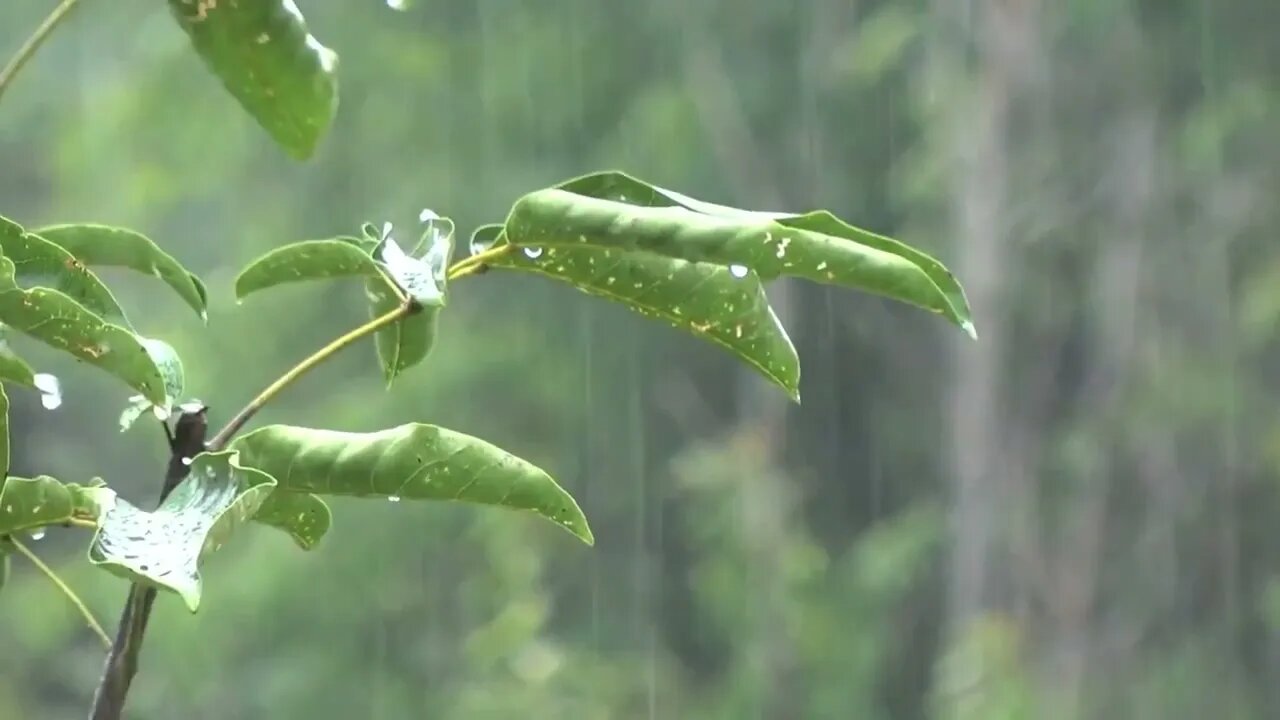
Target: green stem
<point>66,590</point>
<point>34,42</point>
<point>233,426</point>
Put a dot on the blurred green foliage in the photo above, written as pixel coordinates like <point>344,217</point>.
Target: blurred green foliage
<point>752,560</point>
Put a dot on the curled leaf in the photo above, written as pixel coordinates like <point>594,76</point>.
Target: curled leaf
<point>104,246</point>
<point>166,548</point>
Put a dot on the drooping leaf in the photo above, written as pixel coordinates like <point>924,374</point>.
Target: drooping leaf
<point>305,517</point>
<point>271,64</point>
<point>104,246</point>
<point>306,260</point>
<point>28,503</point>
<point>412,462</point>
<point>727,307</point>
<point>64,324</point>
<point>166,548</point>
<point>621,187</point>
<point>40,262</point>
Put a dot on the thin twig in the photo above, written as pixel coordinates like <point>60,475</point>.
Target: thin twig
<point>93,623</point>
<point>34,42</point>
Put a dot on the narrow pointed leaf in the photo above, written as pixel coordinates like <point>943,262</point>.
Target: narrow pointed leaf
<point>306,260</point>
<point>711,301</point>
<point>39,262</point>
<point>621,187</point>
<point>552,218</point>
<point>60,322</point>
<point>166,548</point>
<point>305,517</point>
<point>412,462</point>
<point>271,64</point>
<point>29,503</point>
<point>104,246</point>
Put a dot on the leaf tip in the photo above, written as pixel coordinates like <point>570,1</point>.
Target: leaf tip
<point>969,329</point>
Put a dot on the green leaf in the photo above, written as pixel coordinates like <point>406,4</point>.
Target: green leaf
<point>819,228</point>
<point>271,64</point>
<point>26,504</point>
<point>62,323</point>
<point>710,301</point>
<point>411,462</point>
<point>39,262</point>
<point>305,517</point>
<point>306,260</point>
<point>166,548</point>
<point>618,186</point>
<point>103,246</point>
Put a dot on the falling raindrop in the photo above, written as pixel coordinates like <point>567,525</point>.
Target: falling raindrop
<point>50,390</point>
<point>533,253</point>
<point>37,534</point>
<point>738,271</point>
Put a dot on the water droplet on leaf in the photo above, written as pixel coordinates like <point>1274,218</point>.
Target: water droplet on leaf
<point>393,498</point>
<point>533,253</point>
<point>738,271</point>
<point>37,534</point>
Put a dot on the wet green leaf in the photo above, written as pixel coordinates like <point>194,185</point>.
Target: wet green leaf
<point>60,322</point>
<point>306,260</point>
<point>410,462</point>
<point>267,60</point>
<point>29,503</point>
<point>103,246</point>
<point>817,246</point>
<point>621,187</point>
<point>166,548</point>
<point>710,301</point>
<point>305,517</point>
<point>39,262</point>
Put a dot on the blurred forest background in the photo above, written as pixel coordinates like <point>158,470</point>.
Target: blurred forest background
<point>1075,517</point>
